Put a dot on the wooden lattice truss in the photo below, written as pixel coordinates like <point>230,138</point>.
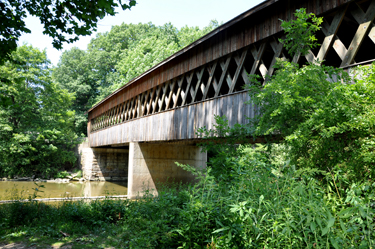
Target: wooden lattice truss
<point>350,32</point>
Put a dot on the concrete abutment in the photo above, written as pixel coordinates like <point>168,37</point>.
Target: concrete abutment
<point>146,166</point>
<point>151,165</point>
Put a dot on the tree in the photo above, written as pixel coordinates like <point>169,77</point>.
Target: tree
<point>64,21</point>
<point>75,74</point>
<point>326,116</point>
<point>115,57</point>
<point>36,125</point>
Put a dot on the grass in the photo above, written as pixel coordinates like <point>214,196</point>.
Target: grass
<point>254,205</point>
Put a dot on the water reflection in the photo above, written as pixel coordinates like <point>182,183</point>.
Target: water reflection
<point>22,190</point>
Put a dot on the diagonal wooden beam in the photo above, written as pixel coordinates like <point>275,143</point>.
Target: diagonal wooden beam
<point>123,111</point>
<point>188,78</point>
<point>211,71</point>
<point>199,76</point>
<point>359,16</point>
<point>171,88</point>
<point>150,101</point>
<point>257,54</point>
<point>224,72</point>
<point>127,109</point>
<point>359,36</point>
<point>240,63</point>
<point>179,82</point>
<point>155,101</point>
<point>161,101</point>
<point>330,34</point>
<point>337,45</point>
<point>277,48</point>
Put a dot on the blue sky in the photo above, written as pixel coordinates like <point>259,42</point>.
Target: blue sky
<point>178,12</point>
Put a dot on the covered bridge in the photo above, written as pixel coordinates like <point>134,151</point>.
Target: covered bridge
<point>152,120</point>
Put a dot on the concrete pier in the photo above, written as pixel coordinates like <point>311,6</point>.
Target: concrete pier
<point>153,164</point>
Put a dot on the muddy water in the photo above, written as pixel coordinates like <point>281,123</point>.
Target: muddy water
<point>22,190</point>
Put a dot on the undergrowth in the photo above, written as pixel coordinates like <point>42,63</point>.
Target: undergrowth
<point>263,204</point>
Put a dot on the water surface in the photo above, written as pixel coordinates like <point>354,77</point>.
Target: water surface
<point>22,190</point>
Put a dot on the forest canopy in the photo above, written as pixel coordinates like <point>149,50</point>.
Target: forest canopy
<point>114,58</point>
<point>43,108</point>
<point>64,21</point>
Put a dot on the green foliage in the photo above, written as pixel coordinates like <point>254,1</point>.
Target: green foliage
<point>63,21</point>
<point>300,32</point>
<point>265,205</point>
<point>325,116</point>
<point>116,57</point>
<point>62,174</point>
<point>35,120</point>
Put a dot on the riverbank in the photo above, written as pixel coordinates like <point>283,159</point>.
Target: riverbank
<point>254,208</point>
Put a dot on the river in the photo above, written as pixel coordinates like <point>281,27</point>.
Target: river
<point>10,190</point>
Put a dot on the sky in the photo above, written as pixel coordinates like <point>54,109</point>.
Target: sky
<point>178,12</point>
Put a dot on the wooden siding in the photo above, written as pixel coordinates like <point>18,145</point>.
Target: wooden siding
<point>248,28</point>
<point>176,124</point>
<point>168,102</point>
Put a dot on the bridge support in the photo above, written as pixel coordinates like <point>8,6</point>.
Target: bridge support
<point>153,164</point>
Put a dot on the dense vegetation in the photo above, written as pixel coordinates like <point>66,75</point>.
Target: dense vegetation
<point>42,109</point>
<point>36,123</point>
<point>313,189</point>
<point>261,202</point>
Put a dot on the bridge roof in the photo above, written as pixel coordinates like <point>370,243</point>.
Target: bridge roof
<point>253,25</point>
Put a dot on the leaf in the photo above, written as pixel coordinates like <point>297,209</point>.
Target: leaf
<point>221,229</point>
<point>342,226</point>
<point>313,226</point>
<point>325,231</point>
<point>334,243</point>
<point>331,221</point>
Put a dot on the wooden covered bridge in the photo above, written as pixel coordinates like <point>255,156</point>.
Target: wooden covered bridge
<point>152,120</point>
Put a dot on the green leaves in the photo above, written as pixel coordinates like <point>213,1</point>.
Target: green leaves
<point>65,21</point>
<point>35,120</point>
<point>114,58</point>
<point>300,32</point>
<point>325,116</point>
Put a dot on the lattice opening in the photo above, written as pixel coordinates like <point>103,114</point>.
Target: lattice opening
<point>202,86</point>
<point>182,94</point>
<point>146,102</point>
<point>217,74</point>
<point>320,37</point>
<point>268,56</point>
<point>210,91</point>
<point>347,30</point>
<point>240,84</point>
<point>224,89</point>
<point>366,51</point>
<point>249,61</point>
<point>132,109</point>
<point>169,96</point>
<point>231,70</point>
<point>190,91</point>
<point>302,61</point>
<point>164,94</point>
